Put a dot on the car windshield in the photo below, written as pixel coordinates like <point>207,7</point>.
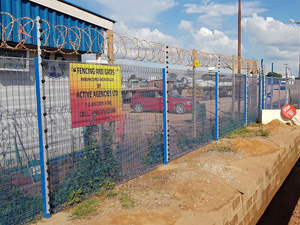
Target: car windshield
<point>174,94</point>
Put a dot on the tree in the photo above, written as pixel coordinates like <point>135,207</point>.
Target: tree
<point>274,74</point>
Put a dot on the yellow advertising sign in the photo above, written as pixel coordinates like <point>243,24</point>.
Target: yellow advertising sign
<point>96,94</point>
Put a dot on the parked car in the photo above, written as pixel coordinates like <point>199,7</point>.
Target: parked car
<point>152,100</point>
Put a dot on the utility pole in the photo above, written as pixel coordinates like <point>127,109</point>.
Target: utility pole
<point>239,38</point>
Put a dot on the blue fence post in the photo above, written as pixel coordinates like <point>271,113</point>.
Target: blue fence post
<point>272,86</point>
<point>263,93</point>
<point>245,100</point>
<point>165,112</point>
<point>217,107</point>
<point>46,212</point>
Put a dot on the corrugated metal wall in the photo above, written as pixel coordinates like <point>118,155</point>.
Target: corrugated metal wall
<point>24,8</point>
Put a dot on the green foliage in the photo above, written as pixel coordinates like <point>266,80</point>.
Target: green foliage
<point>85,209</point>
<point>17,207</point>
<point>243,132</point>
<point>265,133</point>
<point>111,193</point>
<point>96,169</point>
<point>155,148</point>
<point>105,187</point>
<point>75,197</point>
<point>274,74</point>
<point>126,201</point>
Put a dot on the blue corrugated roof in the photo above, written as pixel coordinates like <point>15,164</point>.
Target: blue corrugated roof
<point>25,8</point>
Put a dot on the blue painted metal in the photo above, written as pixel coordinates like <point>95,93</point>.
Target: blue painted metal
<point>25,8</point>
<point>271,97</point>
<point>245,100</point>
<point>165,117</point>
<point>41,144</point>
<point>217,107</point>
<point>263,93</point>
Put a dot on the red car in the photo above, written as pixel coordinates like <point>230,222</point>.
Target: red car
<point>152,100</point>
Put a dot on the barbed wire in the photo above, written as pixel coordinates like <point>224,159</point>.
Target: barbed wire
<point>20,33</point>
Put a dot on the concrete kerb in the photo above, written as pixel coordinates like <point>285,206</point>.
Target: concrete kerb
<point>248,207</point>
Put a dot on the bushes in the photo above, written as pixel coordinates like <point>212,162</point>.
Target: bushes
<point>98,165</point>
<point>155,148</point>
<point>16,207</point>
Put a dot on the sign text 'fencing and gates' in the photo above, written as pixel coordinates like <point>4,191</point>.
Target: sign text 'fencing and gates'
<point>96,94</point>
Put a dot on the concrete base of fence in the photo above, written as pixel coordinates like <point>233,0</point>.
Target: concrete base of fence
<point>207,187</point>
<point>275,114</point>
<point>248,205</point>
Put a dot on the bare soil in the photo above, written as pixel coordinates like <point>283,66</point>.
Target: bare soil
<point>192,189</point>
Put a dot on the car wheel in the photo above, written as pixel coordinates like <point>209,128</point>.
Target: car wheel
<point>179,109</point>
<point>138,108</point>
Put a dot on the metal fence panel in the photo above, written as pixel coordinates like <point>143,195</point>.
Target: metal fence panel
<point>275,94</point>
<point>252,97</point>
<point>232,105</point>
<point>20,175</point>
<point>84,158</point>
<point>99,132</point>
<point>182,138</point>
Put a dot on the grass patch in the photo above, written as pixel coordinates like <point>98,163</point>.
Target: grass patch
<point>126,201</point>
<point>85,209</point>
<point>108,186</point>
<point>221,147</point>
<point>264,133</point>
<point>156,177</point>
<point>243,132</point>
<point>111,193</point>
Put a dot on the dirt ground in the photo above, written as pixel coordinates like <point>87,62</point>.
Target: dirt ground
<point>192,189</point>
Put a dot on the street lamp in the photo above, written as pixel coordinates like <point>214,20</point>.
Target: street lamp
<point>294,22</point>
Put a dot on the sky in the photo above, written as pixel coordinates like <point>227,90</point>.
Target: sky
<point>212,26</point>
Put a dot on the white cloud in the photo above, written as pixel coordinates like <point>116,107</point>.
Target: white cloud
<point>145,34</point>
<point>185,25</point>
<point>215,42</point>
<point>137,11</point>
<point>213,13</point>
<point>279,42</point>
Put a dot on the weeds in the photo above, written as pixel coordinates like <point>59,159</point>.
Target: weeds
<point>105,187</point>
<point>85,209</point>
<point>75,197</point>
<point>155,148</point>
<point>243,132</point>
<point>264,133</point>
<point>221,147</point>
<point>111,193</point>
<point>126,201</point>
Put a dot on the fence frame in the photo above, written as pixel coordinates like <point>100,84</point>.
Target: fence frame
<point>245,99</point>
<point>43,154</point>
<point>164,72</point>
